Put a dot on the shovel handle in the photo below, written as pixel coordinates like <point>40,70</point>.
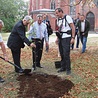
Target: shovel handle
<point>10,62</point>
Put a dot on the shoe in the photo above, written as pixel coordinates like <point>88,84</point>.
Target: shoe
<point>19,71</point>
<point>1,80</point>
<point>39,66</point>
<point>68,72</point>
<point>33,68</point>
<point>82,52</point>
<point>61,70</point>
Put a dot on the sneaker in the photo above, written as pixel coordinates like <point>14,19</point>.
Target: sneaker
<point>1,80</point>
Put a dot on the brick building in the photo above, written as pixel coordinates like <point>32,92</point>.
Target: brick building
<point>71,7</point>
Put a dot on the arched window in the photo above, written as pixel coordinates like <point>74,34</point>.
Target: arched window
<point>91,18</point>
<point>52,5</point>
<point>90,14</point>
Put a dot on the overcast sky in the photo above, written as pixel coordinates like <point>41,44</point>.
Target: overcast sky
<point>26,0</point>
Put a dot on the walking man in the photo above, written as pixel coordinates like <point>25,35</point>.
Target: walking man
<point>84,27</point>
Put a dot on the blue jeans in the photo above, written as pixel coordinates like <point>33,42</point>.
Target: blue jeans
<point>84,41</point>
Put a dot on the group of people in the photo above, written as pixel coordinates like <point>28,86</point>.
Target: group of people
<point>38,33</point>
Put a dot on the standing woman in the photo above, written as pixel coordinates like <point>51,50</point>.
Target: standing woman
<point>2,47</point>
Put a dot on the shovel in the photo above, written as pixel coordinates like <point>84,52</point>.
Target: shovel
<point>25,71</point>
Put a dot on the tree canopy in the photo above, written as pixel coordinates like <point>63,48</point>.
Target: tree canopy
<point>11,11</point>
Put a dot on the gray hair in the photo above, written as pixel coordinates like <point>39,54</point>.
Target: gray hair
<point>39,15</point>
<point>27,18</point>
<point>2,23</point>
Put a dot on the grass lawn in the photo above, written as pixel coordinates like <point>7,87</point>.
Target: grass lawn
<point>84,70</point>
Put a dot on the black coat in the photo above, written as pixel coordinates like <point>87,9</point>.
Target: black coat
<point>49,29</point>
<point>17,37</point>
<point>87,27</point>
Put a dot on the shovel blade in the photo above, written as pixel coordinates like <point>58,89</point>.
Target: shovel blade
<point>27,71</point>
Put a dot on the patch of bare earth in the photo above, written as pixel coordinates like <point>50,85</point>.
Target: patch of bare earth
<point>40,85</point>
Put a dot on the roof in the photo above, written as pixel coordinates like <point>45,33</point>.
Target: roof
<point>41,11</point>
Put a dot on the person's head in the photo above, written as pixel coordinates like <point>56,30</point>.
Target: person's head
<point>26,20</point>
<point>39,18</point>
<point>45,16</point>
<point>78,15</point>
<point>1,24</point>
<point>59,12</point>
<point>82,17</point>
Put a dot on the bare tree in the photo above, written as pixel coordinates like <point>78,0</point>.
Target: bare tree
<point>75,3</point>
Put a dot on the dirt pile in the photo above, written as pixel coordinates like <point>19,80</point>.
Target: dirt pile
<point>40,85</point>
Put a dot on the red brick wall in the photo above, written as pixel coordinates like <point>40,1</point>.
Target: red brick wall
<point>66,9</point>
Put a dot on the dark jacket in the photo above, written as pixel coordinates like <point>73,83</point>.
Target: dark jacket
<point>87,27</point>
<point>17,37</point>
<point>49,29</point>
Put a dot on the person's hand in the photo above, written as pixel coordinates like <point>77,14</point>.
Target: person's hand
<point>56,41</point>
<point>47,44</point>
<point>32,45</point>
<point>47,23</point>
<point>72,40</point>
<point>83,33</point>
<point>5,57</point>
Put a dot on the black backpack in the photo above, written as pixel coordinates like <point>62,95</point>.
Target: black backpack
<point>70,31</point>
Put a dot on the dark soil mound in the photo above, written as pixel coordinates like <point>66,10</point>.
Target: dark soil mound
<point>39,85</point>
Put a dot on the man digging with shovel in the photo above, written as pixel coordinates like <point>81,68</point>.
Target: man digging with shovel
<point>16,41</point>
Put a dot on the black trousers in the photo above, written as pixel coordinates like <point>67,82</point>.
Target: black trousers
<point>64,48</point>
<point>16,58</point>
<point>77,41</point>
<point>37,52</point>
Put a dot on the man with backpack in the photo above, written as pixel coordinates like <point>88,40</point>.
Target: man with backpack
<point>65,36</point>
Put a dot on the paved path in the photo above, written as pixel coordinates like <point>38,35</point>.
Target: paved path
<point>53,37</point>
